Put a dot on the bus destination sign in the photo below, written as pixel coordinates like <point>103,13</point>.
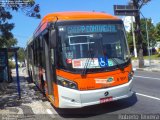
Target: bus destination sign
<point>91,28</point>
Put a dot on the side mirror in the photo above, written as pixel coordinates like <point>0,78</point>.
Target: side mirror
<point>52,38</point>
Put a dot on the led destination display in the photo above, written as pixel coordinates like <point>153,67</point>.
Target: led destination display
<point>91,28</point>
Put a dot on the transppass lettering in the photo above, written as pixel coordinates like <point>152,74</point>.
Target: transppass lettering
<point>91,28</point>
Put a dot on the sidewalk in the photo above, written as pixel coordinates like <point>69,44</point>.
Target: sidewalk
<point>153,67</point>
<point>32,105</point>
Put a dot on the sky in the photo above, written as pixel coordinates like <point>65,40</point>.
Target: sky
<point>25,26</point>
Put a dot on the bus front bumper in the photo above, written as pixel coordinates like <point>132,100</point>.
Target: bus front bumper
<point>69,98</point>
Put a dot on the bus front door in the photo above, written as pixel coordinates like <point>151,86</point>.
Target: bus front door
<point>48,69</point>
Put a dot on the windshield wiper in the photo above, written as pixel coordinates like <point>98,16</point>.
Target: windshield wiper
<point>117,63</point>
<point>90,57</point>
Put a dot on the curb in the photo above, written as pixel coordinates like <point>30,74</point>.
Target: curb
<point>146,69</point>
<point>152,61</point>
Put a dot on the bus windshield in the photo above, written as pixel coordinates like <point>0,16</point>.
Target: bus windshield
<point>92,46</point>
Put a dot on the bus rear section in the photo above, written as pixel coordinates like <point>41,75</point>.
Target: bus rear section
<point>86,61</point>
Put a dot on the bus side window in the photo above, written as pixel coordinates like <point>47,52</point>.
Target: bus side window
<point>34,52</point>
<point>40,52</point>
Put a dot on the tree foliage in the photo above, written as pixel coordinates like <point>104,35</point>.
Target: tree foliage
<point>21,54</point>
<point>6,37</point>
<point>157,32</point>
<point>130,41</point>
<point>151,32</point>
<point>151,35</point>
<point>28,7</point>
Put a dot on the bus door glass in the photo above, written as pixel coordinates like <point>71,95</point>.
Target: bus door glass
<point>48,68</point>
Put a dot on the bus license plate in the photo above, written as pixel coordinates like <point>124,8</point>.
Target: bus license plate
<point>104,100</point>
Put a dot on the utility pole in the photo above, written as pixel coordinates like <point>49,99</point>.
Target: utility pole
<point>148,42</point>
<point>138,34</point>
<point>133,9</point>
<point>134,39</point>
<point>17,73</point>
<point>138,4</point>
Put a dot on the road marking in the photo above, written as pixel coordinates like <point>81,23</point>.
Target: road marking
<point>148,96</point>
<point>147,77</point>
<point>49,111</point>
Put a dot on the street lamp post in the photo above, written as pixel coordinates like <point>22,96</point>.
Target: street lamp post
<point>134,39</point>
<point>148,42</point>
<point>138,34</point>
<point>0,32</point>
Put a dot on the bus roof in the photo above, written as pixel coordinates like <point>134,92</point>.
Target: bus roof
<point>63,16</point>
<point>72,16</point>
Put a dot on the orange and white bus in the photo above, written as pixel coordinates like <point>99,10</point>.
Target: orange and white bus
<point>80,59</point>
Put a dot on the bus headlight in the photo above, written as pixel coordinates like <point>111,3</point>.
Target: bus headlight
<point>130,75</point>
<point>66,83</point>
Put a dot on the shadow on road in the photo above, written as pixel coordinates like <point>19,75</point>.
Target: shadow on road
<point>98,109</point>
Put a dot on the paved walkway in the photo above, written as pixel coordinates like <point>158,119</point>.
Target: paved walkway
<point>32,105</point>
<point>154,65</point>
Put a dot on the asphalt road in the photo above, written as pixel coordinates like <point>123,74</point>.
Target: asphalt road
<point>146,100</point>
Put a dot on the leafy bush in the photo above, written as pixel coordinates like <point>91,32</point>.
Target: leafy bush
<point>12,65</point>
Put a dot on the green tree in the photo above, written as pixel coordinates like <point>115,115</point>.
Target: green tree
<point>28,7</point>
<point>157,32</point>
<point>130,41</point>
<point>21,54</point>
<point>151,34</point>
<point>6,37</point>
